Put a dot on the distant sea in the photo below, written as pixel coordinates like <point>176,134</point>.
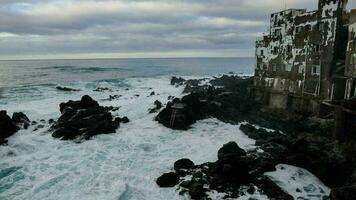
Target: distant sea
<point>123,165</point>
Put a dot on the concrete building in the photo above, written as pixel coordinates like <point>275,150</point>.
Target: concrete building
<point>350,65</point>
<point>302,60</point>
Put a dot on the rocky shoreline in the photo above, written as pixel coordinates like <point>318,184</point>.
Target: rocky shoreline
<point>300,140</point>
<point>306,141</point>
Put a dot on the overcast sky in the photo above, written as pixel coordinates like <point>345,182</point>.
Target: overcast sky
<point>135,28</point>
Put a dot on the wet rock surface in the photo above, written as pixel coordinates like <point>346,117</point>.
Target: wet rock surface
<point>84,119</point>
<point>227,175</point>
<point>309,142</point>
<point>9,126</point>
<point>226,98</point>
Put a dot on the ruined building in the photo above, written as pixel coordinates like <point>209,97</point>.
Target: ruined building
<point>302,61</point>
<point>350,65</point>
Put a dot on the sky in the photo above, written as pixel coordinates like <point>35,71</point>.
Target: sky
<point>52,29</point>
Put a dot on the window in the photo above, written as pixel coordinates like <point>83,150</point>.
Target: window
<point>262,52</point>
<point>299,29</point>
<point>289,49</point>
<point>353,59</point>
<point>321,27</point>
<point>316,70</point>
<point>275,50</point>
<point>317,48</point>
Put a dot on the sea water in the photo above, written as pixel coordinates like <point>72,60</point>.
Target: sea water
<point>123,165</point>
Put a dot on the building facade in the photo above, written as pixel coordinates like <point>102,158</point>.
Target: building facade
<point>302,59</point>
<point>350,65</point>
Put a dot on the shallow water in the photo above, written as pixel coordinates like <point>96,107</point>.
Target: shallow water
<point>118,166</point>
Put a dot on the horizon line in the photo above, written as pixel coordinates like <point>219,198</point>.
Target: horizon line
<point>123,58</point>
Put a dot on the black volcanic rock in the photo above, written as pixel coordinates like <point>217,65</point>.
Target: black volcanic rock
<point>177,80</point>
<point>7,126</point>
<point>227,102</point>
<point>226,175</point>
<point>83,119</point>
<point>158,106</point>
<point>21,119</point>
<point>168,180</point>
<point>183,164</point>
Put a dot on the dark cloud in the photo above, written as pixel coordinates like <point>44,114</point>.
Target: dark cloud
<point>50,27</point>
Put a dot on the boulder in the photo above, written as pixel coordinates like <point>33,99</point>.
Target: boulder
<point>177,80</point>
<point>21,119</point>
<point>197,191</point>
<point>7,126</point>
<point>158,106</point>
<point>183,164</point>
<point>168,180</point>
<point>230,151</point>
<point>83,119</point>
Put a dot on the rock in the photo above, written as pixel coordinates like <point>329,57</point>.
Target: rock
<point>158,106</point>
<point>197,191</point>
<point>183,164</point>
<point>102,89</point>
<point>343,193</point>
<point>168,180</point>
<point>230,151</point>
<point>21,119</point>
<point>271,189</point>
<point>66,89</point>
<point>83,119</point>
<point>113,97</point>
<point>7,126</point>
<point>323,156</point>
<point>177,81</point>
<point>122,120</point>
<point>152,94</point>
<point>51,121</point>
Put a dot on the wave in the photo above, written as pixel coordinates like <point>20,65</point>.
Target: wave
<point>81,69</point>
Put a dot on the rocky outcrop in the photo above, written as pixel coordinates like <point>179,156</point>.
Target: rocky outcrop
<point>168,180</point>
<point>226,99</point>
<point>84,119</point>
<point>9,126</point>
<point>158,106</point>
<point>226,175</point>
<point>21,120</point>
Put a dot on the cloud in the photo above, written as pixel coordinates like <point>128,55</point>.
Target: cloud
<point>43,27</point>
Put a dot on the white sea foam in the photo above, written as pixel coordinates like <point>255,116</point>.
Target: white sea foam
<point>298,182</point>
<point>120,166</point>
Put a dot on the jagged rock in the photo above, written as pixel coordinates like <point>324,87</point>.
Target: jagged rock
<point>168,180</point>
<point>197,191</point>
<point>183,164</point>
<point>7,126</point>
<point>230,151</point>
<point>21,119</point>
<point>83,119</point>
<point>227,103</point>
<point>158,106</point>
<point>124,120</point>
<point>66,89</point>
<point>177,81</point>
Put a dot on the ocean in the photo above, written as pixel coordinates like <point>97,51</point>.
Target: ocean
<point>123,165</point>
